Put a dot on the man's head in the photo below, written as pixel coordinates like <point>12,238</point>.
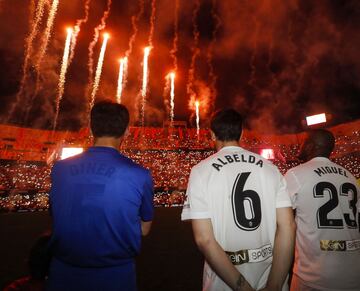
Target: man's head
<point>226,124</point>
<point>318,143</point>
<point>109,119</point>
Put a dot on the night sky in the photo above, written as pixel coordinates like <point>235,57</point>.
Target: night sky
<point>274,61</point>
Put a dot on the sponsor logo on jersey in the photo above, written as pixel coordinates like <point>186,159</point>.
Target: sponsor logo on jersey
<point>340,245</point>
<point>250,256</point>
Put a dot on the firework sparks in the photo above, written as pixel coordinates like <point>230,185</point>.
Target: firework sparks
<point>145,81</point>
<point>28,51</point>
<point>152,23</point>
<point>171,76</point>
<point>47,33</point>
<point>64,66</point>
<point>92,45</point>
<point>197,111</point>
<point>195,50</point>
<point>99,69</point>
<point>176,37</point>
<point>134,23</point>
<point>77,27</point>
<point>122,78</point>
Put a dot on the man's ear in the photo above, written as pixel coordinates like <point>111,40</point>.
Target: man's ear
<point>127,132</point>
<point>213,137</point>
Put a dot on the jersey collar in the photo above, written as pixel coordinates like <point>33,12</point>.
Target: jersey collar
<point>320,159</point>
<point>231,148</point>
<point>103,149</point>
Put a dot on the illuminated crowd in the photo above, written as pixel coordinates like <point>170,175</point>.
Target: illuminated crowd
<point>24,185</point>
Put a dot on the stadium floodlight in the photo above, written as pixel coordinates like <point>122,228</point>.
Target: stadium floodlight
<point>267,154</point>
<point>316,119</point>
<point>70,152</point>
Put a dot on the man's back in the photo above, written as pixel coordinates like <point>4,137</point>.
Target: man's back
<point>325,196</point>
<point>96,202</point>
<point>240,192</point>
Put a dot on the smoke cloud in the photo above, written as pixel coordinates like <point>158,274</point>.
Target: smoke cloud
<point>274,61</point>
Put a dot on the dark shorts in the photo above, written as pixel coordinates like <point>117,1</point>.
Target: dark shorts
<point>67,277</point>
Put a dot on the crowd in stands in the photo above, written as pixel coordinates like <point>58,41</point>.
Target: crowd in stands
<point>24,185</point>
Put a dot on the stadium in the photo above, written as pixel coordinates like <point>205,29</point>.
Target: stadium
<point>169,153</point>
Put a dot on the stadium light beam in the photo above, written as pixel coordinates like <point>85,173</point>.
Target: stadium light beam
<point>70,152</point>
<point>316,119</point>
<point>267,154</point>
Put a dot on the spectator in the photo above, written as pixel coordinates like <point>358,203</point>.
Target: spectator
<point>101,203</point>
<point>325,197</point>
<point>241,215</point>
<point>38,264</point>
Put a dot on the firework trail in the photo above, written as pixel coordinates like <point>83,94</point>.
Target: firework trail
<point>197,111</point>
<point>97,31</point>
<point>32,9</point>
<point>134,22</point>
<point>123,71</point>
<point>152,23</point>
<point>209,56</point>
<point>195,50</point>
<point>77,28</point>
<point>145,62</point>
<point>99,69</point>
<point>176,36</point>
<point>252,81</point>
<point>122,78</point>
<point>64,66</point>
<point>47,34</point>
<point>144,82</point>
<point>39,12</point>
<point>171,78</point>
<point>45,43</point>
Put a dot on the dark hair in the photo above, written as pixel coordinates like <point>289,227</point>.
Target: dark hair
<point>226,124</point>
<point>323,140</point>
<point>108,119</point>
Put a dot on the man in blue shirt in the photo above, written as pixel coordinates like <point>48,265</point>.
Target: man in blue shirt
<point>101,204</point>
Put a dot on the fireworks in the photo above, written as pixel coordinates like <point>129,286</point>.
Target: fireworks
<point>171,76</point>
<point>122,78</point>
<point>99,69</point>
<point>28,51</point>
<point>93,43</point>
<point>77,27</point>
<point>195,50</point>
<point>64,66</point>
<point>145,81</point>
<point>197,111</point>
<point>47,33</point>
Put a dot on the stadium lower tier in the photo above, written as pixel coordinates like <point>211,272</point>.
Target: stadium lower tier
<point>24,185</point>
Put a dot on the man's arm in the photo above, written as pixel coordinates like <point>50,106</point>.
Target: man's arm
<point>283,248</point>
<point>145,227</point>
<point>216,257</point>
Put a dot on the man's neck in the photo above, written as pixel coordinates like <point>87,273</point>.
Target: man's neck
<point>221,144</point>
<point>111,142</point>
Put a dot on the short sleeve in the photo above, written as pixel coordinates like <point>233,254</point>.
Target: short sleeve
<point>282,197</point>
<point>196,204</point>
<point>293,186</point>
<point>147,204</point>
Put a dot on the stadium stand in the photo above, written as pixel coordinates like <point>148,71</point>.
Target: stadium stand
<point>26,157</point>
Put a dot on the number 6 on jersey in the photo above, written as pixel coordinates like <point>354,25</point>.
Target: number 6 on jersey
<point>246,204</point>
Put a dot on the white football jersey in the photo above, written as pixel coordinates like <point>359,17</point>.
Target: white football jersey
<point>326,199</point>
<point>239,191</point>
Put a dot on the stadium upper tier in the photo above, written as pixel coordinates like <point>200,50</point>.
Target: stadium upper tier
<point>18,143</point>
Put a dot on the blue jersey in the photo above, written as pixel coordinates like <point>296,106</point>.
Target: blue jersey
<point>98,200</point>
